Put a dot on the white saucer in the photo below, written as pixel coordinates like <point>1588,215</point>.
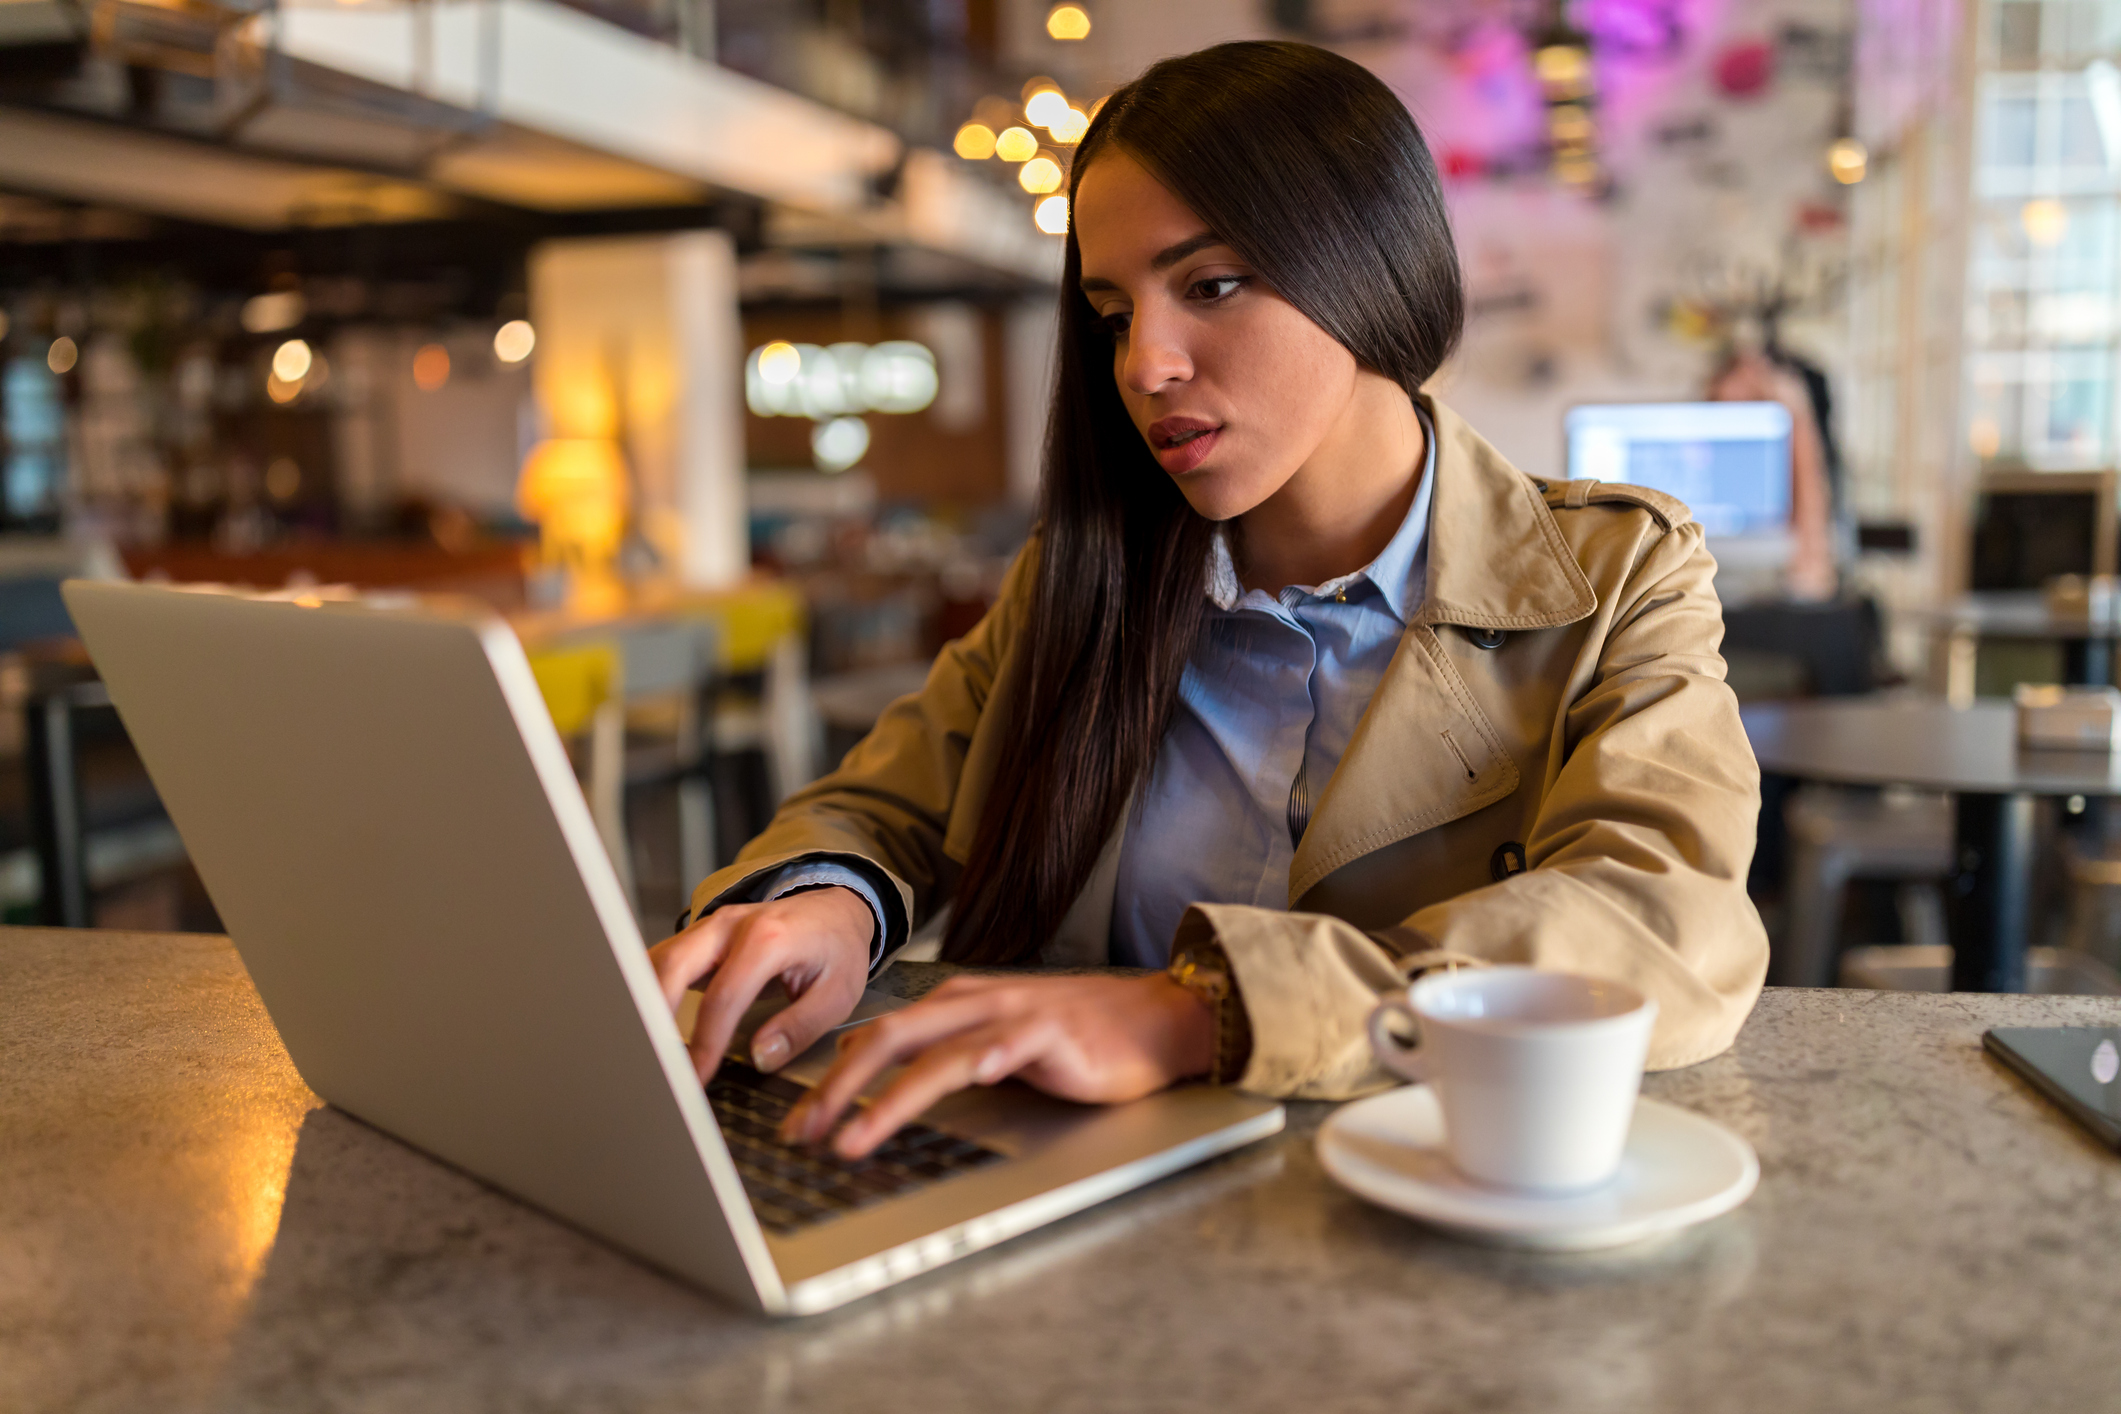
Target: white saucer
<point>1679,1169</point>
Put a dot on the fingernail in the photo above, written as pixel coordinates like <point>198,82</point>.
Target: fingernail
<point>990,1066</point>
<point>769,1050</point>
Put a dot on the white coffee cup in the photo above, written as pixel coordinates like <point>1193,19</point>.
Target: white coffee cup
<point>1536,1071</point>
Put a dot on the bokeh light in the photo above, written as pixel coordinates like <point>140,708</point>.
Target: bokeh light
<point>2046,222</point>
<point>1016,145</point>
<point>974,142</point>
<point>780,361</point>
<point>62,355</point>
<point>1848,160</point>
<point>840,443</point>
<point>1046,107</point>
<point>1068,22</point>
<point>1070,129</point>
<point>1040,174</point>
<point>430,367</point>
<point>270,313</point>
<point>513,341</point>
<point>1051,215</point>
<point>290,361</point>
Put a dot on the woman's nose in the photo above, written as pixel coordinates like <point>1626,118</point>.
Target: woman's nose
<point>1155,360</point>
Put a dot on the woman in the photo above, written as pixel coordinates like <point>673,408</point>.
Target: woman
<point>1299,685</point>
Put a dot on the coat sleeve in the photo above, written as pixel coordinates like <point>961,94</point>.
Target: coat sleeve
<point>888,805</point>
<point>1637,863</point>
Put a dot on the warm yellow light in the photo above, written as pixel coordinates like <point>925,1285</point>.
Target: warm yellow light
<point>1559,64</point>
<point>1848,160</point>
<point>1569,125</point>
<point>1046,107</point>
<point>62,355</point>
<point>290,361</point>
<point>513,341</point>
<point>1051,215</point>
<point>282,390</point>
<point>975,142</point>
<point>1040,174</point>
<point>2046,222</point>
<point>780,362</point>
<point>1577,170</point>
<point>430,367</point>
<point>575,488</point>
<point>1068,22</point>
<point>1069,130</point>
<point>1016,145</point>
<point>1564,71</point>
<point>1983,437</point>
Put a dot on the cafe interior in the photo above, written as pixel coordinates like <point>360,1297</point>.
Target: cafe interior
<point>707,346</point>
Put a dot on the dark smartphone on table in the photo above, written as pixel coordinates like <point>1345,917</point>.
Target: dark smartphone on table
<point>2078,1067</point>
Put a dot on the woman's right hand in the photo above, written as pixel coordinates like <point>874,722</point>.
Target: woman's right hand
<point>815,942</point>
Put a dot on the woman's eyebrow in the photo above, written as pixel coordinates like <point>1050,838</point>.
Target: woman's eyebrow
<point>1164,259</point>
<point>1170,255</point>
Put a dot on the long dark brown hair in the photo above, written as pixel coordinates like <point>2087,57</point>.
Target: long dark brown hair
<point>1311,170</point>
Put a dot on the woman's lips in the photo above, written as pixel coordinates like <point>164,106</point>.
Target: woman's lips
<point>1183,443</point>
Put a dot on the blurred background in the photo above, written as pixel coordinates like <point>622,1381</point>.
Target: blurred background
<point>710,341</point>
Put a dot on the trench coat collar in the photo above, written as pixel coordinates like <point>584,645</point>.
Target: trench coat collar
<point>1496,558</point>
<point>1424,753</point>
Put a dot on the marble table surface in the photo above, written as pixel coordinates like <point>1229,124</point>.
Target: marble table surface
<point>183,1226</point>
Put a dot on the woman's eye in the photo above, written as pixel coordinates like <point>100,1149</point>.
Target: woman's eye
<point>1117,323</point>
<point>1216,287</point>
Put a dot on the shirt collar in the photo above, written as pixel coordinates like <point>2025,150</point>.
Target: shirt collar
<point>1400,570</point>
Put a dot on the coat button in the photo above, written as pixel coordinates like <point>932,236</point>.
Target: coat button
<point>1485,637</point>
<point>1508,859</point>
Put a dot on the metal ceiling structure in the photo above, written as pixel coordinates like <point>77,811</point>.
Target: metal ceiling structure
<point>308,116</point>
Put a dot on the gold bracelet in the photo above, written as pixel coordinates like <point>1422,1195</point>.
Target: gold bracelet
<point>1204,970</point>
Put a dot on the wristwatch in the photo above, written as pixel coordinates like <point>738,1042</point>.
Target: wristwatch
<point>1204,970</point>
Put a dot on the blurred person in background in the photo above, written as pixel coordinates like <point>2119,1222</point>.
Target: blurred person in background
<point>1750,374</point>
<point>1299,689</point>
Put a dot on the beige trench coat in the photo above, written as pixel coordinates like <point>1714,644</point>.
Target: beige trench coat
<point>1579,796</point>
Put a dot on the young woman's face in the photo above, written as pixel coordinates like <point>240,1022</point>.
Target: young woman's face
<point>1232,387</point>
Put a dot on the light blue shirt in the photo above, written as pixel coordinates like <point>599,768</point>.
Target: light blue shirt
<point>1269,701</point>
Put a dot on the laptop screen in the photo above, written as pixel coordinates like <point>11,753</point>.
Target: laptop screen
<point>1730,462</point>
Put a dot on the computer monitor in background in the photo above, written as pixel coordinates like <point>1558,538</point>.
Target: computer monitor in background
<point>1730,462</point>
<point>2030,526</point>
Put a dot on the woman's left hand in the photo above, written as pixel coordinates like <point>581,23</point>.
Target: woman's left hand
<point>1095,1039</point>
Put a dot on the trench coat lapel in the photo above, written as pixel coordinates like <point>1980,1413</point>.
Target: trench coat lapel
<point>1424,753</point>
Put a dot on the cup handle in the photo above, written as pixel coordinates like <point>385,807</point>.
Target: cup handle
<point>1406,1062</point>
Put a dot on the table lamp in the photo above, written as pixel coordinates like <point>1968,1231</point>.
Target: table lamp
<point>575,488</point>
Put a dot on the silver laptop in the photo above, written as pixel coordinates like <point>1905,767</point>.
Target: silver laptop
<point>388,824</point>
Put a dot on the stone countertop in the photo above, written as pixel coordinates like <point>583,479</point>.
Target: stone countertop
<point>184,1226</point>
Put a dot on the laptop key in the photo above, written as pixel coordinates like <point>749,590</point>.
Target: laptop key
<point>791,1188</point>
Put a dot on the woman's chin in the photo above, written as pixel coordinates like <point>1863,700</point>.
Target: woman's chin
<point>1217,495</point>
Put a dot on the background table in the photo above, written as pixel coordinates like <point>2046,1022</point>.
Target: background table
<point>1971,753</point>
<point>182,1227</point>
<point>2087,644</point>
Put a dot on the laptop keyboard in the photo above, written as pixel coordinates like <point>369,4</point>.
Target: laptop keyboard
<point>792,1187</point>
